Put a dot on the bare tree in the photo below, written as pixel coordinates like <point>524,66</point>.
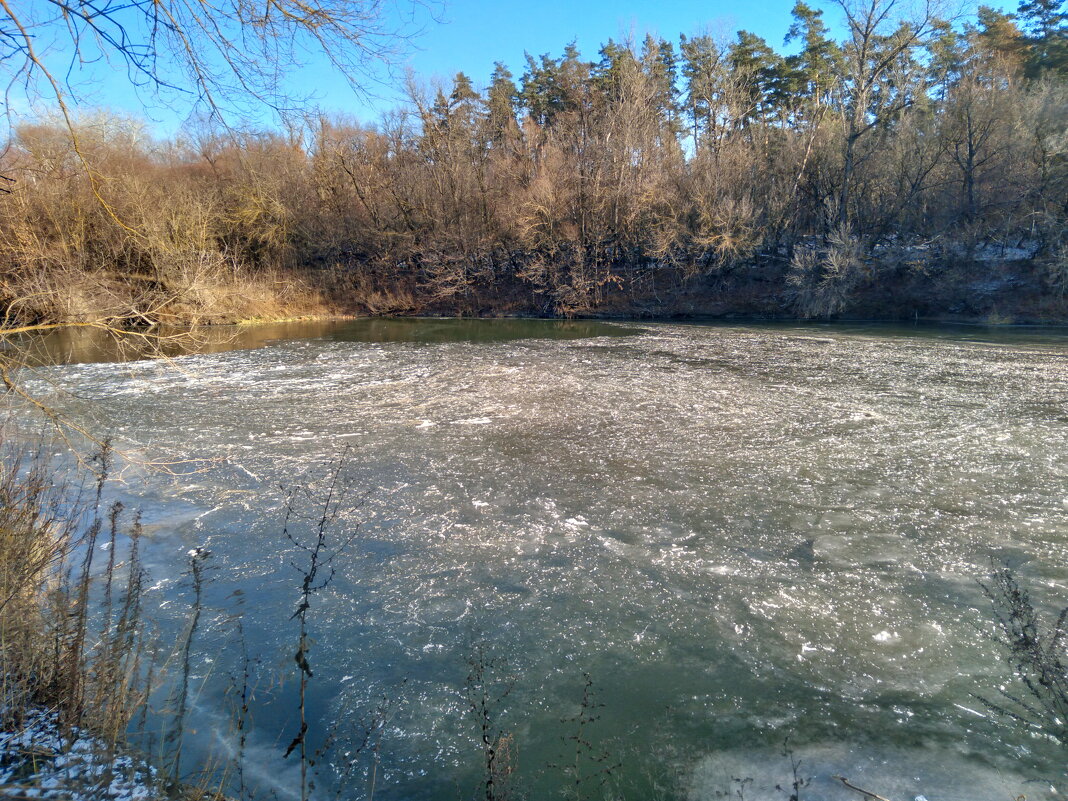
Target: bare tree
<point>878,42</point>
<point>214,51</point>
<point>893,154</point>
<point>219,54</point>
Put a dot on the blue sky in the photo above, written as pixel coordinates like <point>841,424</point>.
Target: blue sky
<point>470,35</point>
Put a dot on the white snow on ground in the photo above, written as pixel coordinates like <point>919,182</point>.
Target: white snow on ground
<point>40,761</point>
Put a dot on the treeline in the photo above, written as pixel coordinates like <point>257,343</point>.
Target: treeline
<point>916,168</point>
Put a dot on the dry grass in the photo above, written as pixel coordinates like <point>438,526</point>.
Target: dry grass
<point>70,613</point>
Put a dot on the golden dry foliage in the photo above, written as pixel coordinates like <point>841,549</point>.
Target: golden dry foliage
<point>206,246</point>
<point>590,188</point>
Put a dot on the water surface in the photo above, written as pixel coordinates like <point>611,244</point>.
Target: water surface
<point>744,534</point>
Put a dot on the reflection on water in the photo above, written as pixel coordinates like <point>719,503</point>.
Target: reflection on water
<point>84,345</point>
<point>471,330</point>
<point>743,533</point>
<point>88,345</point>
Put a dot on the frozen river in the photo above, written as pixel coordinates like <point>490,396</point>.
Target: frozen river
<point>743,534</point>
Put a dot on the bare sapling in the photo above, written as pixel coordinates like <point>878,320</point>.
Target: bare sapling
<point>316,553</point>
<point>589,767</point>
<point>485,695</point>
<point>179,702</point>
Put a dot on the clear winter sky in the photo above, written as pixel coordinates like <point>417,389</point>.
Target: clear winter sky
<point>470,35</point>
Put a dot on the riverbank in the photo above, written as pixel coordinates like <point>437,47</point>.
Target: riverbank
<point>995,288</point>
<point>79,659</point>
<point>43,760</point>
<point>987,293</point>
<point>989,290</point>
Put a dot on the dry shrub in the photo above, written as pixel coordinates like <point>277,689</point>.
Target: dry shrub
<point>822,280</point>
<point>725,222</point>
<point>727,228</point>
<point>592,177</point>
<point>386,302</point>
<point>1053,263</point>
<point>35,536</point>
<point>159,240</point>
<point>1057,270</point>
<point>70,604</point>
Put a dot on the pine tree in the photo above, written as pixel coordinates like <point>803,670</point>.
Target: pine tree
<point>608,73</point>
<point>999,35</point>
<point>700,73</point>
<point>948,56</point>
<point>551,86</point>
<point>816,67</point>
<point>659,64</point>
<point>540,93</point>
<point>502,103</point>
<point>464,105</point>
<point>758,71</point>
<point>1046,23</point>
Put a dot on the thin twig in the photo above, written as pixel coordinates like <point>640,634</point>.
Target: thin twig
<point>861,790</point>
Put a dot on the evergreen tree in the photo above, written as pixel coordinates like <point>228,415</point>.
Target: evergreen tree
<point>608,73</point>
<point>815,69</point>
<point>540,92</point>
<point>758,71</point>
<point>551,86</point>
<point>502,103</point>
<point>904,81</point>
<point>574,78</point>
<point>438,113</point>
<point>1046,23</point>
<point>659,64</point>
<point>464,106</point>
<point>700,73</point>
<point>999,35</point>
<point>948,55</point>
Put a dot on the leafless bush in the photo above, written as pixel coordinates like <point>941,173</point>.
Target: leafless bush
<point>1036,651</point>
<point>1057,271</point>
<point>589,766</point>
<point>822,280</point>
<point>317,545</point>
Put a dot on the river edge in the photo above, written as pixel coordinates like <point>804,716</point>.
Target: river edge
<point>78,344</point>
<point>998,294</point>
